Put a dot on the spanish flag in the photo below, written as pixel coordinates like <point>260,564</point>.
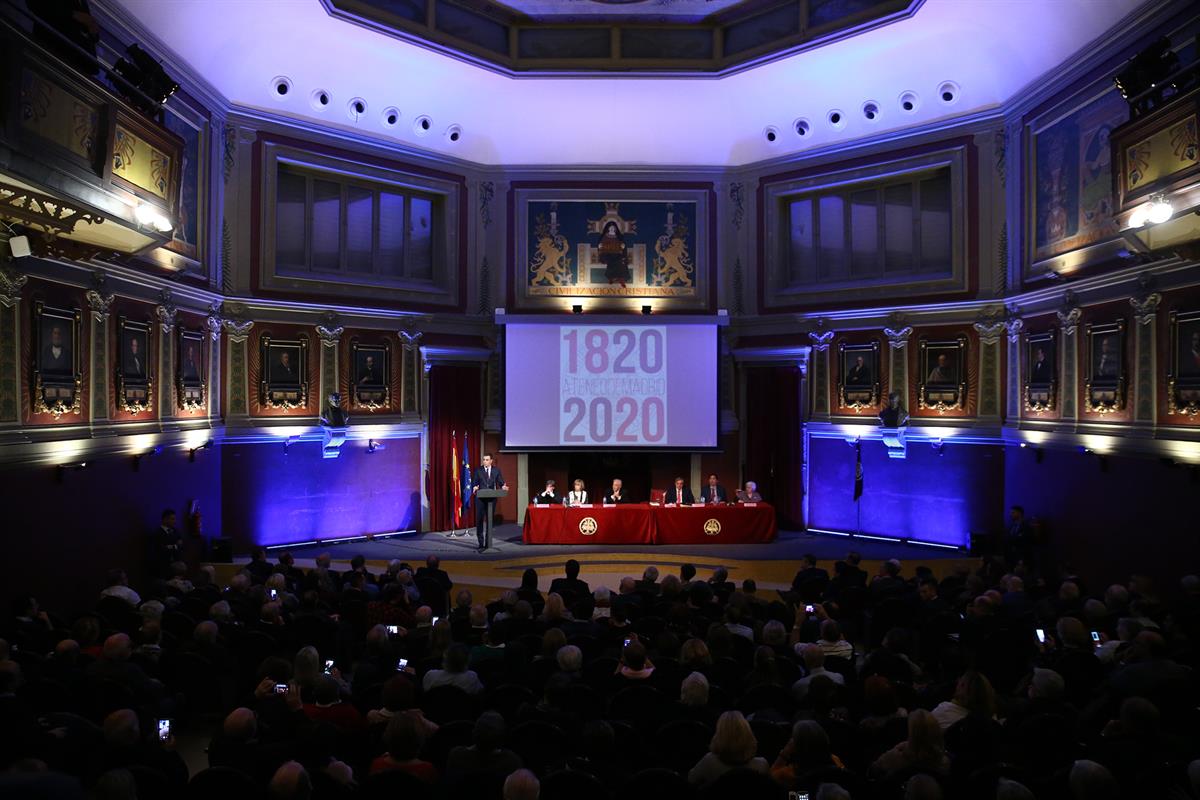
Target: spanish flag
<point>455,483</point>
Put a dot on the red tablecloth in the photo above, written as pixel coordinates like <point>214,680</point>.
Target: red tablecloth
<point>645,524</point>
<point>627,524</point>
<point>715,524</point>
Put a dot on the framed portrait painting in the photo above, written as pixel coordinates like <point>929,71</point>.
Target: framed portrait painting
<point>190,383</point>
<point>57,378</point>
<point>1041,371</point>
<point>942,368</point>
<point>135,374</point>
<point>1183,368</point>
<point>371,375</point>
<point>1104,390</point>
<point>858,376</point>
<point>284,372</point>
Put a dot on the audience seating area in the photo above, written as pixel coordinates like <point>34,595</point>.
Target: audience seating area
<point>986,684</point>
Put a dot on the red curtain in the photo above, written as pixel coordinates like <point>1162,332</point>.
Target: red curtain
<point>774,446</point>
<point>454,407</point>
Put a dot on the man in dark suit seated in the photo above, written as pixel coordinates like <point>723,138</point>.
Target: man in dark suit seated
<point>679,494</point>
<point>433,570</point>
<point>548,496</point>
<point>713,491</point>
<point>617,496</point>
<point>570,588</point>
<point>649,585</point>
<point>810,574</point>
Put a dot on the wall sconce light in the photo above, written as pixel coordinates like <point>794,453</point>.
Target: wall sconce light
<point>373,446</point>
<point>647,310</point>
<point>192,452</point>
<point>288,443</point>
<point>576,309</point>
<point>1156,210</point>
<point>137,457</point>
<point>151,217</point>
<point>61,470</point>
<point>939,446</point>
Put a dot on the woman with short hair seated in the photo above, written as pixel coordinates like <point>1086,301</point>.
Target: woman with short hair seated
<point>733,747</point>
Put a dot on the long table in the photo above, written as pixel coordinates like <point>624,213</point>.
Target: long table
<point>640,523</point>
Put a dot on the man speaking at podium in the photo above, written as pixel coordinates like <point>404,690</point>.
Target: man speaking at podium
<point>487,476</point>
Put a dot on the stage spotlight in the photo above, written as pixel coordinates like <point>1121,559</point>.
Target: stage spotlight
<point>373,446</point>
<point>577,309</point>
<point>1024,444</point>
<point>647,310</point>
<point>939,446</point>
<point>153,85</point>
<point>137,457</point>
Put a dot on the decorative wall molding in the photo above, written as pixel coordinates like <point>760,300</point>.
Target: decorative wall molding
<point>1145,308</point>
<point>166,311</point>
<point>410,340</point>
<point>898,337</point>
<point>1014,327</point>
<point>820,340</point>
<point>737,199</point>
<point>990,332</point>
<point>330,333</point>
<point>100,304</point>
<point>487,191</point>
<point>238,330</point>
<point>1068,320</point>
<point>11,284</point>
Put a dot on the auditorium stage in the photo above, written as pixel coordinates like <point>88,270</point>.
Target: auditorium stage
<point>771,565</point>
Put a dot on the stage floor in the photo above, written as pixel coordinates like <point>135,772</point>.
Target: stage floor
<point>771,565</point>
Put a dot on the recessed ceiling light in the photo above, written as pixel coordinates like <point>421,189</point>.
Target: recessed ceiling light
<point>356,108</point>
<point>910,102</point>
<point>422,125</point>
<point>771,134</point>
<point>390,116</point>
<point>802,127</point>
<point>281,86</point>
<point>320,99</point>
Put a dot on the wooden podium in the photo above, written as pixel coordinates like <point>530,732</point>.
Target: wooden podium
<point>487,499</point>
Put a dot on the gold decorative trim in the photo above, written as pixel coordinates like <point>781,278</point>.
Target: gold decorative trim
<point>186,403</point>
<point>134,406</point>
<point>1190,408</point>
<point>940,406</point>
<point>59,407</point>
<point>1034,405</point>
<point>858,406</point>
<point>1104,407</point>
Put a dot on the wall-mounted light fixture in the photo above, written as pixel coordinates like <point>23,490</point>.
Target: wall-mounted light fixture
<point>192,451</point>
<point>137,457</point>
<point>647,310</point>
<point>61,470</point>
<point>373,446</point>
<point>576,309</point>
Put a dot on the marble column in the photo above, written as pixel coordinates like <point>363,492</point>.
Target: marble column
<point>100,303</point>
<point>237,393</point>
<point>11,284</point>
<point>898,362</point>
<point>213,324</point>
<point>1016,402</point>
<point>819,369</point>
<point>990,388</point>
<point>1145,315</point>
<point>167,315</point>
<point>330,334</point>
<point>1068,321</point>
<point>411,376</point>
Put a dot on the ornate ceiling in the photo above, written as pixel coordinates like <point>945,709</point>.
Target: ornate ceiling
<point>653,36</point>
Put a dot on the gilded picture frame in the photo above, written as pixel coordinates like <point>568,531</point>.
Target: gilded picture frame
<point>57,377</point>
<point>1183,363</point>
<point>942,372</point>
<point>1041,371</point>
<point>1106,382</point>
<point>858,385</point>
<point>283,378</point>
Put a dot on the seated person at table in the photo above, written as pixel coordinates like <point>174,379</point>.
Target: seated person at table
<point>578,495</point>
<point>617,495</point>
<point>713,491</point>
<point>749,494</point>
<point>549,496</point>
<point>679,494</point>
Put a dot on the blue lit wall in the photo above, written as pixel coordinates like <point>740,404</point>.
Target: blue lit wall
<point>926,496</point>
<point>275,496</point>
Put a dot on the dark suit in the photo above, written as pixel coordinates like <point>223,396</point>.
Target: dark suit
<point>543,499</point>
<point>483,479</point>
<point>1039,374</point>
<point>370,376</point>
<point>609,499</point>
<point>859,376</point>
<point>59,365</point>
<point>673,496</point>
<point>707,492</point>
<point>570,589</point>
